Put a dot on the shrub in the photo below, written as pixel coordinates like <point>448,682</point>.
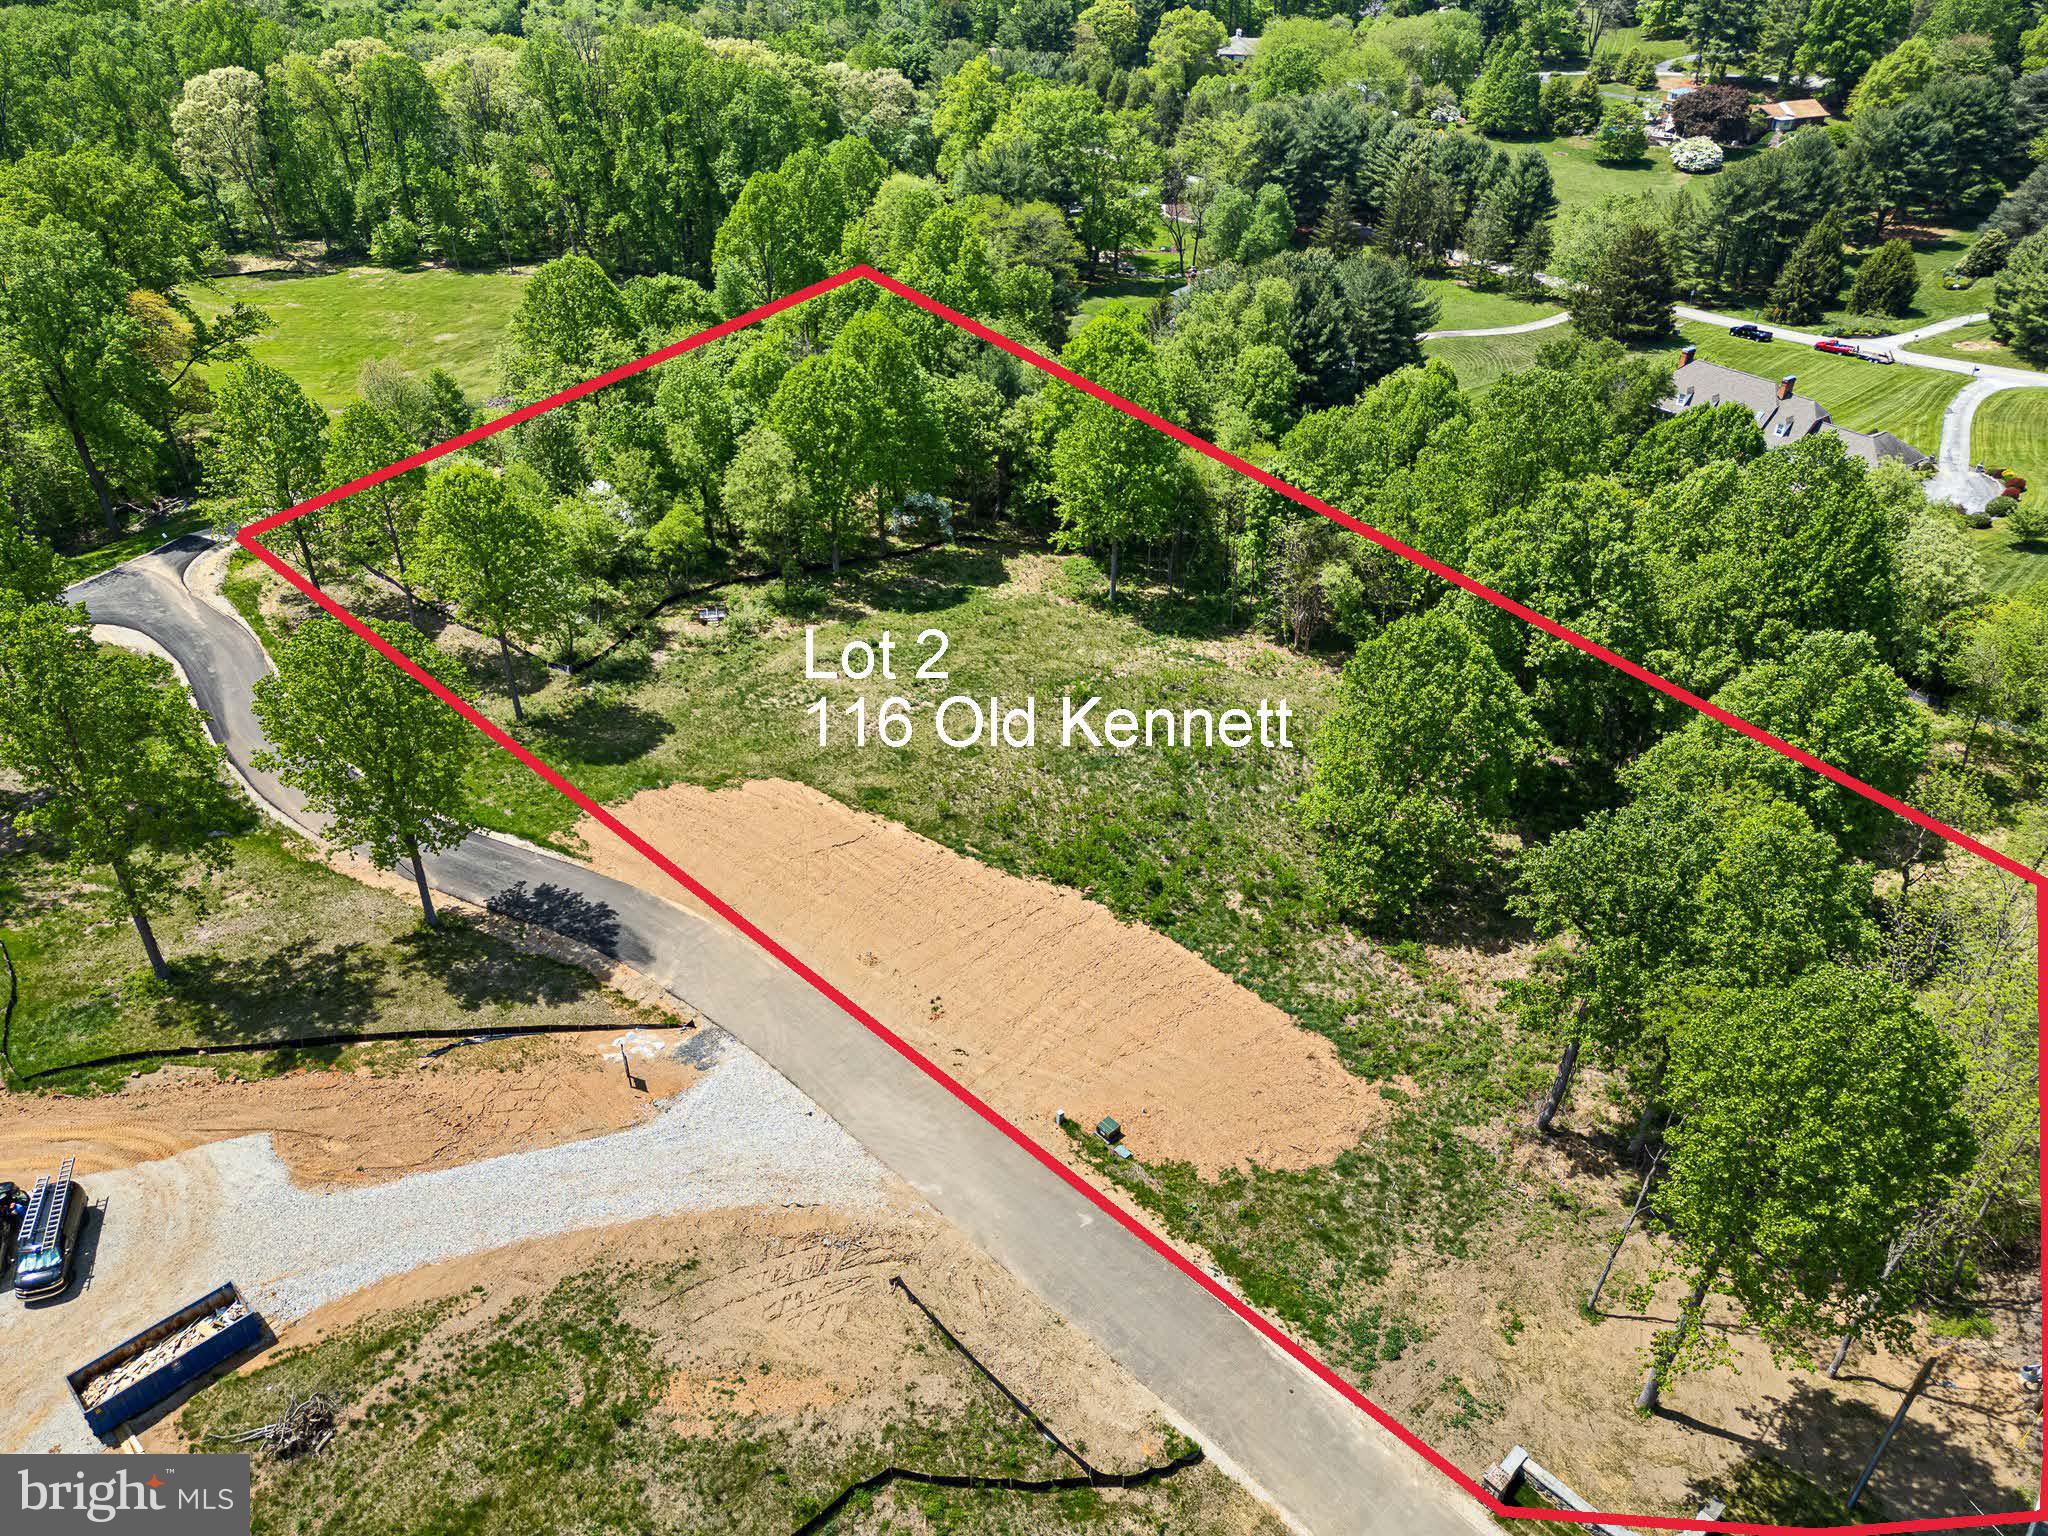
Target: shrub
<point>396,243</point>
<point>1980,520</point>
<point>1696,157</point>
<point>1986,256</point>
<point>1621,136</point>
<point>2028,522</point>
<point>1864,325</point>
<point>1640,69</point>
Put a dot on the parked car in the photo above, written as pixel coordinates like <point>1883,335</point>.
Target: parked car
<point>1839,347</point>
<point>1748,332</point>
<point>12,1203</point>
<point>48,1237</point>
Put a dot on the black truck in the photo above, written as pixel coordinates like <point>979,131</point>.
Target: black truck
<point>47,1239</point>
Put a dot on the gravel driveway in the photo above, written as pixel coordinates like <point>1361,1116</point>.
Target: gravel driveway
<point>166,1232</point>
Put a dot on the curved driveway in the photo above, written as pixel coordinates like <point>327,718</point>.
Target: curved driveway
<point>1322,1462</point>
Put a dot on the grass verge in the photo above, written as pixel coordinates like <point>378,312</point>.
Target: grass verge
<point>276,948</point>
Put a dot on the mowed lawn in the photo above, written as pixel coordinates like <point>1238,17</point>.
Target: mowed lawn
<point>1460,308</point>
<point>2010,432</point>
<point>1973,344</point>
<point>1480,361</point>
<point>324,328</point>
<point>1867,397</point>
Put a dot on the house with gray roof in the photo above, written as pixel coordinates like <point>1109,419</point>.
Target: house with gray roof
<point>1782,415</point>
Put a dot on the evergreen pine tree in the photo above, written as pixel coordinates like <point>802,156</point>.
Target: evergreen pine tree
<point>1627,295</point>
<point>1886,282</point>
<point>1507,97</point>
<point>1334,230</point>
<point>2019,302</point>
<point>1811,281</point>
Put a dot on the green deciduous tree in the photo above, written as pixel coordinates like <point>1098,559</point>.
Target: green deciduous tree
<point>1415,766</point>
<point>383,519</point>
<point>1115,480</point>
<point>123,775</point>
<point>70,351</point>
<point>367,745</point>
<point>1812,1122</point>
<point>1832,695</point>
<point>269,446</point>
<point>1621,138</point>
<point>28,566</point>
<point>494,557</point>
<point>765,495</point>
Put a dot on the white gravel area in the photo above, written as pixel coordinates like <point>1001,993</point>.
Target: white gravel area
<point>171,1230</point>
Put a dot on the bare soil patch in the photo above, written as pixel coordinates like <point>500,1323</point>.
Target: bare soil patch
<point>1033,996</point>
<point>777,1332</point>
<point>357,1126</point>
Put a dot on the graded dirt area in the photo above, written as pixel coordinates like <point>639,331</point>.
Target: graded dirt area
<point>360,1126</point>
<point>1033,996</point>
<point>781,1363</point>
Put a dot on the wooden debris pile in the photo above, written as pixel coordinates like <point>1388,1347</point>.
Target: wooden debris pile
<point>306,1427</point>
<point>160,1354</point>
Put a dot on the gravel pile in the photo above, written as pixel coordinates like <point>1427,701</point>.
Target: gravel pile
<point>741,1135</point>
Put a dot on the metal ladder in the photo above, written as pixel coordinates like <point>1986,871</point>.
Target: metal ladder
<point>45,1217</point>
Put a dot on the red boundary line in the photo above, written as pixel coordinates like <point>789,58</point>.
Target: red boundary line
<point>249,539</point>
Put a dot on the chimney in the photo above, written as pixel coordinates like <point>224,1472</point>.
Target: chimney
<point>1785,385</point>
<point>1686,356</point>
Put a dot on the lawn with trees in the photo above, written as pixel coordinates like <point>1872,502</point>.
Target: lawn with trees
<point>1675,924</point>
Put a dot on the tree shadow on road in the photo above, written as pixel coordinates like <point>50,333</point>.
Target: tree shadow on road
<point>560,910</point>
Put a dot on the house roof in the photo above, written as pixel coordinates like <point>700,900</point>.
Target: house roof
<point>1783,420</point>
<point>1875,447</point>
<point>1802,110</point>
<point>1239,47</point>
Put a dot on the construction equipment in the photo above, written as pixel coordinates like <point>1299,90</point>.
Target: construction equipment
<point>139,1373</point>
<point>48,1238</point>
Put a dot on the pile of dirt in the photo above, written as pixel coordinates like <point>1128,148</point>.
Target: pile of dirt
<point>359,1126</point>
<point>1033,996</point>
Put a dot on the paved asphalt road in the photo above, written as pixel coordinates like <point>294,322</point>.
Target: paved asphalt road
<point>1328,1467</point>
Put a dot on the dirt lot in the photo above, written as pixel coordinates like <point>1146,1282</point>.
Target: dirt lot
<point>754,1361</point>
<point>360,1126</point>
<point>1043,1001</point>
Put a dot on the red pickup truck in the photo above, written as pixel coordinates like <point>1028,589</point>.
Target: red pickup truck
<point>1850,349</point>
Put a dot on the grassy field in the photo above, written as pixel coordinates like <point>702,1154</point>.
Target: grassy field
<point>2010,432</point>
<point>1157,276</point>
<point>550,1415</point>
<point>324,328</point>
<point>1972,344</point>
<point>1479,360</point>
<point>1461,308</point>
<point>1580,179</point>
<point>1866,397</point>
<point>281,948</point>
